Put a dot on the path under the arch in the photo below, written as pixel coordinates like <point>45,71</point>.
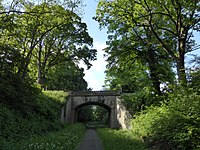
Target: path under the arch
<point>90,141</point>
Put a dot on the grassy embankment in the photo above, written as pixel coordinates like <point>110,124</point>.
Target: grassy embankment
<point>37,125</point>
<point>64,139</point>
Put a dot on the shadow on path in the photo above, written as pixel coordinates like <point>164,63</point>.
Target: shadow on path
<point>90,141</point>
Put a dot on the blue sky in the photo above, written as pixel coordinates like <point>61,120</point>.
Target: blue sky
<point>95,75</point>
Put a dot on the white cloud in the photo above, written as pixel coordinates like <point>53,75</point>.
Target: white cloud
<point>95,76</point>
<point>95,84</point>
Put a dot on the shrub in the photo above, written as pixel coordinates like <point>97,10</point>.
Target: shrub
<point>175,123</point>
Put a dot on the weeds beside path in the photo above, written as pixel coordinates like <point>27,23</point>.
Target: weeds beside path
<point>65,139</point>
<point>119,140</point>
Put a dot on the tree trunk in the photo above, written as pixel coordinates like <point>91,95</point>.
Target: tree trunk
<point>24,64</point>
<point>41,79</point>
<point>181,58</point>
<point>153,71</point>
<point>24,68</point>
<point>181,71</point>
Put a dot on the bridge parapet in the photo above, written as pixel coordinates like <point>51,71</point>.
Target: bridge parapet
<point>94,93</point>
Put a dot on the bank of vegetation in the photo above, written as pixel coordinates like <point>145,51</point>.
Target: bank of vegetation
<point>41,44</point>
<point>62,139</point>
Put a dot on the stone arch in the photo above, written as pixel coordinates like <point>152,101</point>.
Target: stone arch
<point>106,107</point>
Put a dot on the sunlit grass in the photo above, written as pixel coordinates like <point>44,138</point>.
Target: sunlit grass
<point>119,140</point>
<point>65,139</point>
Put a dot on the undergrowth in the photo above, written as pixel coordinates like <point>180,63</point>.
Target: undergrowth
<point>65,139</point>
<point>173,125</point>
<point>119,140</point>
<point>43,116</point>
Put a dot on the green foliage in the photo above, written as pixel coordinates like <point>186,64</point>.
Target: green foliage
<point>101,115</point>
<point>157,32</point>
<point>43,116</point>
<point>194,75</point>
<point>37,36</point>
<point>138,101</point>
<point>48,107</point>
<point>17,93</point>
<point>66,76</point>
<point>119,140</point>
<point>195,83</point>
<point>175,124</point>
<point>59,96</point>
<point>66,139</point>
<point>15,127</point>
<point>136,60</point>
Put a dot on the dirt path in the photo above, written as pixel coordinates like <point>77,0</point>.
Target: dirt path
<point>91,141</point>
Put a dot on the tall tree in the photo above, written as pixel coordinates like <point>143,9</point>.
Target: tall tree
<point>171,23</point>
<point>47,33</point>
<point>130,46</point>
<point>66,40</point>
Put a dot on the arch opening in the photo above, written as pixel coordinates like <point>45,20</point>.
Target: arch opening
<point>93,113</point>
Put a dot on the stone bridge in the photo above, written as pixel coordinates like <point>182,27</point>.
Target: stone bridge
<point>119,117</point>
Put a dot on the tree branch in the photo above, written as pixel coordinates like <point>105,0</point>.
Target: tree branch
<point>168,11</point>
<point>22,12</point>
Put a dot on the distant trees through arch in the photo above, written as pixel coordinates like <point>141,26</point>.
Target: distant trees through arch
<point>93,114</point>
